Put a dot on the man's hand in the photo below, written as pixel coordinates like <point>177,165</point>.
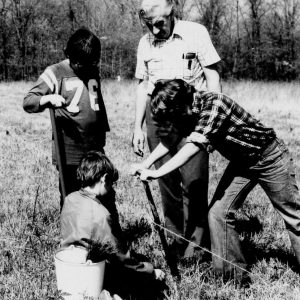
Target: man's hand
<point>54,100</point>
<point>142,172</point>
<point>147,174</point>
<point>138,142</point>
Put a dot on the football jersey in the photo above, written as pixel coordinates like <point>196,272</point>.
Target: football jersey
<point>83,119</point>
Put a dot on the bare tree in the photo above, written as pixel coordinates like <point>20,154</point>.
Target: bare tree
<point>255,38</point>
<point>23,13</point>
<point>5,36</point>
<point>291,17</point>
<point>211,13</point>
<point>237,52</point>
<point>256,13</point>
<point>283,21</point>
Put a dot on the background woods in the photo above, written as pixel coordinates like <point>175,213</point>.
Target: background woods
<point>257,39</point>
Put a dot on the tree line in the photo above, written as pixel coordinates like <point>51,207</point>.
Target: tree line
<point>256,39</point>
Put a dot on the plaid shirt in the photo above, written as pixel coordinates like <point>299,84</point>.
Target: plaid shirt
<point>228,128</point>
<point>183,55</point>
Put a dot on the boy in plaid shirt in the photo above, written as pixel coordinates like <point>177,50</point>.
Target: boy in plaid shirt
<point>255,154</point>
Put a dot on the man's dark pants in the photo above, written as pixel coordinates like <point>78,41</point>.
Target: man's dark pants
<point>184,191</point>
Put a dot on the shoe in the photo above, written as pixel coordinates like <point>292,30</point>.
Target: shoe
<point>176,249</point>
<point>105,295</point>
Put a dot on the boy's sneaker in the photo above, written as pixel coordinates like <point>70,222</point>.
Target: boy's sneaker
<point>105,295</point>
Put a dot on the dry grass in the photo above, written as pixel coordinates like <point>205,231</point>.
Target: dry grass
<point>29,207</point>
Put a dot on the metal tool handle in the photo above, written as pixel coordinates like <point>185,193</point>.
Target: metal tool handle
<point>58,143</point>
<point>171,260</point>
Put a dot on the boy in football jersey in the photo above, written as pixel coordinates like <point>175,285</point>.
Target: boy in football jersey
<point>72,88</point>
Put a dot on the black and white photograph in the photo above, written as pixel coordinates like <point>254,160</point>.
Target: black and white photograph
<point>149,149</point>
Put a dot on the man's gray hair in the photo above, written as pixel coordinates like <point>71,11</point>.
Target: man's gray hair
<point>171,3</point>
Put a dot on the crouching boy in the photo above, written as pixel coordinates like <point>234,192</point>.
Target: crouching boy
<point>86,221</point>
<point>255,154</point>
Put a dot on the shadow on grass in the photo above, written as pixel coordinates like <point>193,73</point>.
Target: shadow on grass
<point>256,252</point>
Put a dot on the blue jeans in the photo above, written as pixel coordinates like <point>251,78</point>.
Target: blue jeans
<point>275,173</point>
<point>184,191</point>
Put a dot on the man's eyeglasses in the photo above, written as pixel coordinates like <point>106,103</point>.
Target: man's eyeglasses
<point>157,23</point>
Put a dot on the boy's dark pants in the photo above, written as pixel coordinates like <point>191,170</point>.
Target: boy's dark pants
<point>132,282</point>
<point>184,191</point>
<point>71,182</point>
<point>275,173</point>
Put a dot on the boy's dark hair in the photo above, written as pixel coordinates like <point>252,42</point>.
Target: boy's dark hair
<point>169,100</point>
<point>93,166</point>
<point>83,46</point>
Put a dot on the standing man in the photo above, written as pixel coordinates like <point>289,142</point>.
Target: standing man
<point>175,49</point>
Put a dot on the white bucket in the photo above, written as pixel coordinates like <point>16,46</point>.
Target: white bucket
<point>76,277</point>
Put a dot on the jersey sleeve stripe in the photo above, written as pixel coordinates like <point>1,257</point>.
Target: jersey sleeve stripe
<point>53,79</point>
<point>48,81</point>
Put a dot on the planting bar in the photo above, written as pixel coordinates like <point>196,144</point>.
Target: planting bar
<point>170,258</point>
<point>58,142</point>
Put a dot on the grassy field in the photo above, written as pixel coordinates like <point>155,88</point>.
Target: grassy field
<point>29,206</point>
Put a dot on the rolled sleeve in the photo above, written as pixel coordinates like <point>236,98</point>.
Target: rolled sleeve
<point>31,102</point>
<point>207,54</point>
<point>141,71</point>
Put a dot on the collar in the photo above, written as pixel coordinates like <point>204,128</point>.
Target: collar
<point>90,195</point>
<point>177,29</point>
